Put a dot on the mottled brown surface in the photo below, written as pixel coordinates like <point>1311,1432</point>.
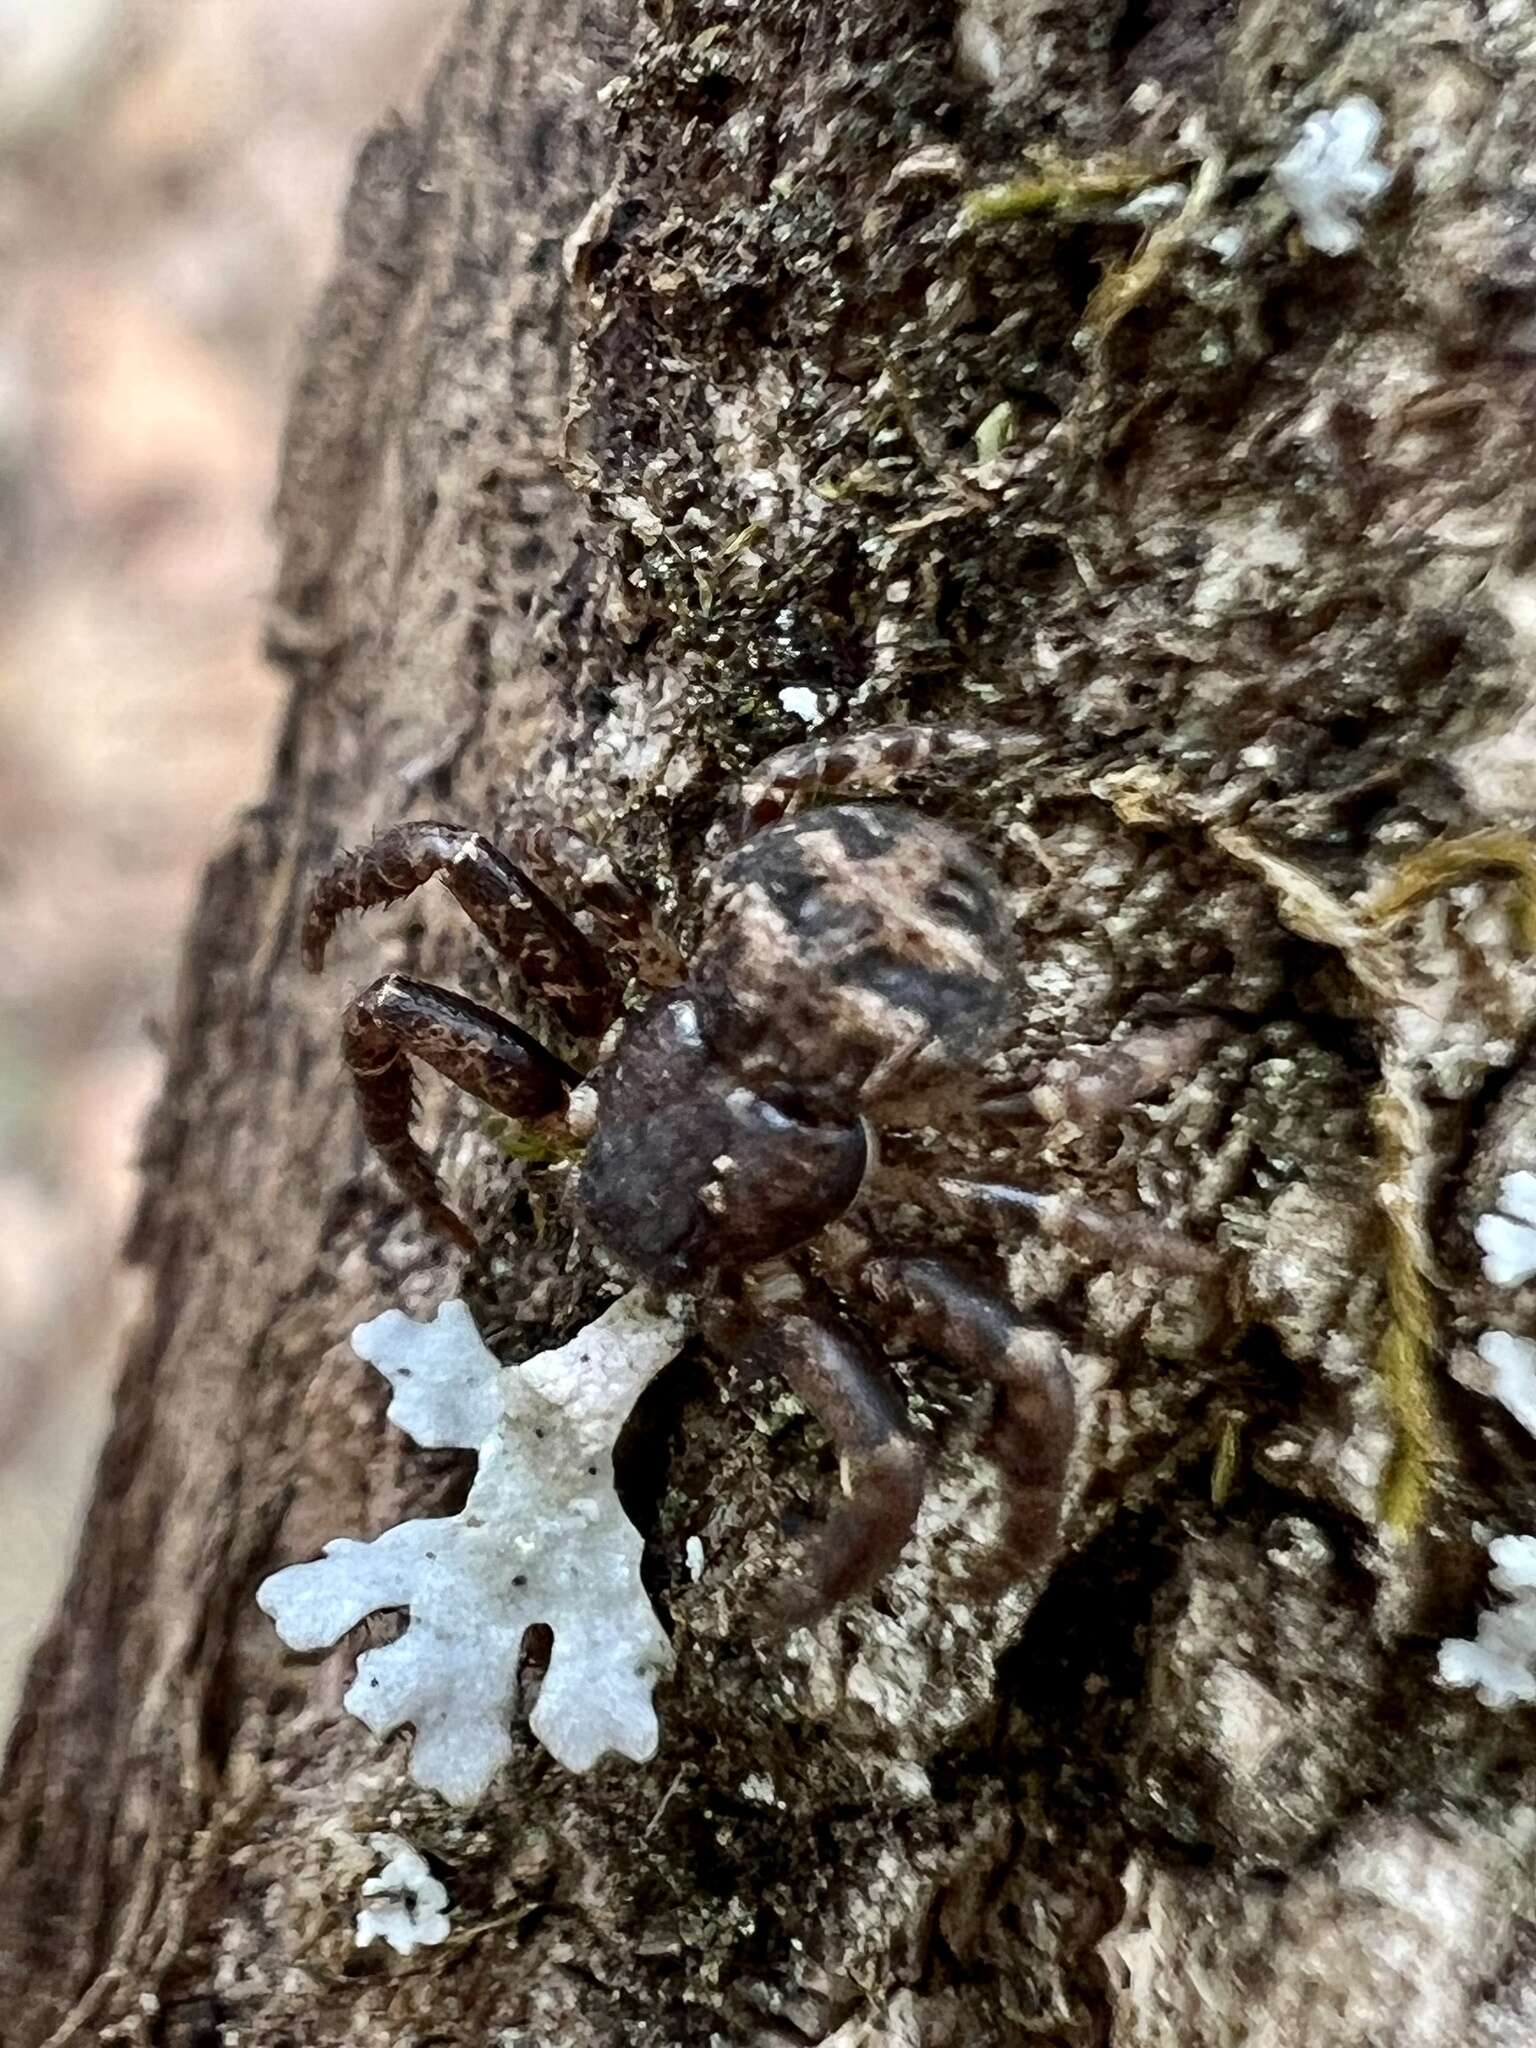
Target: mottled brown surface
<point>1252,565</point>
<point>406,632</point>
<point>850,954</point>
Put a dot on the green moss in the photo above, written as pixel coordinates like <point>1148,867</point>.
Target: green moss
<point>1224,1465</point>
<point>1408,1340</point>
<point>1069,190</point>
<point>540,1144</point>
<point>1436,867</point>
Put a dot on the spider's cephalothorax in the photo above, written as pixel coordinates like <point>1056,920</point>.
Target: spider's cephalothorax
<point>841,952</point>
<point>689,1169</point>
<point>848,958</point>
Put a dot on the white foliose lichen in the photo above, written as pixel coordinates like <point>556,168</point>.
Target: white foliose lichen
<point>1329,174</point>
<point>1501,1663</point>
<point>1512,1374</point>
<point>410,1911</point>
<point>802,703</point>
<point>541,1539</point>
<point>1507,1235</point>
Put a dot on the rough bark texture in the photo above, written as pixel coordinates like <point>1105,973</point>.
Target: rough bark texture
<point>1252,563</point>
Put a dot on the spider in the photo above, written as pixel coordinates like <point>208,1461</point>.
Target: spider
<point>851,974</point>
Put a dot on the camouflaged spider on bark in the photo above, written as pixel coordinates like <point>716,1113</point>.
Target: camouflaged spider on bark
<point>852,972</point>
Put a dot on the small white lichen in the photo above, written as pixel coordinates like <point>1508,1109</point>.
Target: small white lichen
<point>410,1912</point>
<point>1507,1236</point>
<point>541,1538</point>
<point>801,703</point>
<point>1501,1663</point>
<point>1329,174</point>
<point>1513,1364</point>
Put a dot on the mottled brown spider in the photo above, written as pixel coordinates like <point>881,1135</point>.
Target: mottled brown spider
<point>852,970</point>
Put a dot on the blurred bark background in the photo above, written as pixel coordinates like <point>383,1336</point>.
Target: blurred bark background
<point>1241,533</point>
<point>170,180</point>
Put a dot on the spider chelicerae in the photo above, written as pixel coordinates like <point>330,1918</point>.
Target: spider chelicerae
<point>852,974</point>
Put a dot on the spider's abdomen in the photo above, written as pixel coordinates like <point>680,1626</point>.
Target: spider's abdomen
<point>689,1169</point>
<point>850,949</point>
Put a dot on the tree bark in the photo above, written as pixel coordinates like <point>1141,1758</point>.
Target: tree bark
<point>1240,532</point>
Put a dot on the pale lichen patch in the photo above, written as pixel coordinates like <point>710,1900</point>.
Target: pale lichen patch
<point>1511,1374</point>
<point>409,1909</point>
<point>1501,1663</point>
<point>1330,174</point>
<point>1507,1235</point>
<point>541,1539</point>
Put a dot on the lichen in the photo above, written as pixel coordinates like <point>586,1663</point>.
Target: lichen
<point>541,1539</point>
<point>1501,1663</point>
<point>411,1901</point>
<point>1512,1364</point>
<point>1329,174</point>
<point>1506,1236</point>
<point>801,703</point>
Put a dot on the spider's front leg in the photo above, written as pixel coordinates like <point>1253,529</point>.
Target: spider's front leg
<point>793,1329</point>
<point>865,764</point>
<point>397,1020</point>
<point>949,1309</point>
<point>523,923</point>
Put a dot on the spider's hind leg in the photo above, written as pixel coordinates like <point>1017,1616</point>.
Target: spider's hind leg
<point>795,1331</point>
<point>396,1020</point>
<point>949,1309</point>
<point>1126,1237</point>
<point>865,764</point>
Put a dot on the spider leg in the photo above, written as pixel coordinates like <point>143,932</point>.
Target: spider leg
<point>1120,1236</point>
<point>525,926</point>
<point>849,1390</point>
<point>951,1310</point>
<point>1092,1083</point>
<point>397,1020</point>
<point>564,859</point>
<point>1012,1209</point>
<point>864,764</point>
